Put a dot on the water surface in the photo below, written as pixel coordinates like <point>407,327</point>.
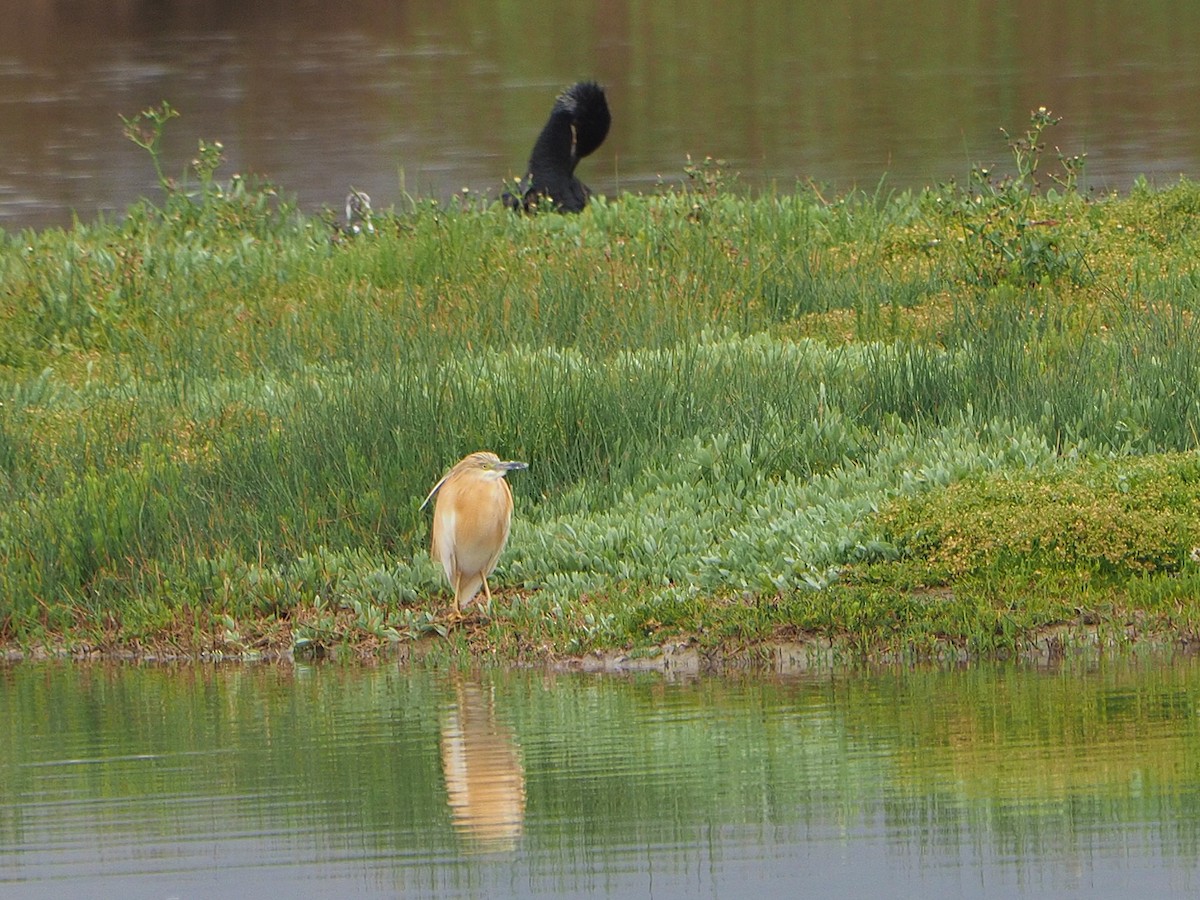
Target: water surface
<point>424,98</point>
<point>314,782</point>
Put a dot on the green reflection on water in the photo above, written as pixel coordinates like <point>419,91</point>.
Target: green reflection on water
<point>994,763</point>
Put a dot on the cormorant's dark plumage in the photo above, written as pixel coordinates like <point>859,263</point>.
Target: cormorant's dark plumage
<point>578,125</point>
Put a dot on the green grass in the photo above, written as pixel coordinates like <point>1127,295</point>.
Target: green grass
<point>936,422</point>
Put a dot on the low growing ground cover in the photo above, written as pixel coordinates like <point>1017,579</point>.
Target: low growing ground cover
<point>951,421</point>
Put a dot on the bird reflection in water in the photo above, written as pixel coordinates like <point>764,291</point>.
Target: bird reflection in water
<point>485,782</point>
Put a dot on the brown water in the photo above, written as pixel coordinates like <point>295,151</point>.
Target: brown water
<point>317,782</point>
<point>430,97</point>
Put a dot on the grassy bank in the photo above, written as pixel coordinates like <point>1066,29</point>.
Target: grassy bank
<point>962,419</point>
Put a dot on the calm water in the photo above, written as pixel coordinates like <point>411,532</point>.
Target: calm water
<point>322,782</point>
<point>429,96</point>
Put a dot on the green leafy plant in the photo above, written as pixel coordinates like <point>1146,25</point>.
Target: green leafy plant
<point>1007,236</point>
<point>243,204</point>
<point>146,130</point>
<point>708,180</point>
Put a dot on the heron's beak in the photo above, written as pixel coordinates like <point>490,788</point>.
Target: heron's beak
<point>512,465</point>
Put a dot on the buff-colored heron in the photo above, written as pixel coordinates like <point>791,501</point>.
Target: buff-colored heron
<point>471,519</point>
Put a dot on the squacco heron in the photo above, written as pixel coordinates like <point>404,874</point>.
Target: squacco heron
<point>471,518</point>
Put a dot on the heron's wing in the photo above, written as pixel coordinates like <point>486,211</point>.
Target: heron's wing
<point>429,496</point>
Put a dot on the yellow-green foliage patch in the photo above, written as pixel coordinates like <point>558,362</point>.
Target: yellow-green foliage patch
<point>1110,520</point>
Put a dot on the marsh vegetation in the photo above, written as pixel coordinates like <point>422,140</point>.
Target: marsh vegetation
<point>958,419</point>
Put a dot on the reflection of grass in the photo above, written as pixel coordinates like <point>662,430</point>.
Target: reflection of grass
<point>1032,758</point>
<point>217,424</point>
<point>1024,763</point>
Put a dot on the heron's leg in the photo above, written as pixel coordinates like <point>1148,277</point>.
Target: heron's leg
<point>488,594</point>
